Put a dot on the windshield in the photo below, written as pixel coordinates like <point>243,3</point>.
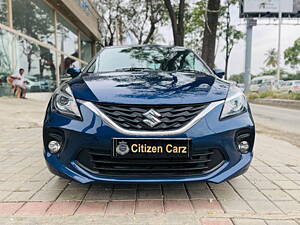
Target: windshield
<point>147,58</point>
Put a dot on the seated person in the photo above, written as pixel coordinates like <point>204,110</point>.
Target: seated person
<point>18,81</point>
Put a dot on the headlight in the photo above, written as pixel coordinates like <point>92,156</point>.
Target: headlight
<point>235,103</point>
<point>65,103</point>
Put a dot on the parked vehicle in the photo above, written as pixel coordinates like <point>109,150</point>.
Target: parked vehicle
<point>266,86</point>
<point>292,86</point>
<point>148,114</point>
<point>258,81</point>
<point>284,86</point>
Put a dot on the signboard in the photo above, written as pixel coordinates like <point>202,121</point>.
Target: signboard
<point>269,8</point>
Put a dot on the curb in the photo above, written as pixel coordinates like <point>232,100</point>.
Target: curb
<point>286,103</point>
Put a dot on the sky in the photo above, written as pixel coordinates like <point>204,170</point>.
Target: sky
<point>265,37</point>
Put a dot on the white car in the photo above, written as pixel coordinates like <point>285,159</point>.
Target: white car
<point>258,81</point>
<point>291,86</point>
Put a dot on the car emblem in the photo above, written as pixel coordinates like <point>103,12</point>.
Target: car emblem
<point>152,119</point>
<point>122,148</point>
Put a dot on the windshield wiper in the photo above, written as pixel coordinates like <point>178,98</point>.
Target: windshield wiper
<point>134,69</point>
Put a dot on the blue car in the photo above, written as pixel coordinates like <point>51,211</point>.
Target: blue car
<point>148,114</point>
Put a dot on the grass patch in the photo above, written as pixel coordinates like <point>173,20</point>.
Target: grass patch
<point>274,95</point>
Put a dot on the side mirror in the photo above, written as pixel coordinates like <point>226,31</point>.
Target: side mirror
<point>219,73</point>
<point>74,72</point>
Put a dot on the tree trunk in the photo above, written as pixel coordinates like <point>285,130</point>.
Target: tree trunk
<point>29,62</point>
<point>227,54</point>
<point>180,28</point>
<point>150,34</point>
<point>177,23</point>
<point>210,32</point>
<point>226,66</point>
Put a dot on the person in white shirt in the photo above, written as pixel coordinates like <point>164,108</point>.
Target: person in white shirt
<point>18,80</point>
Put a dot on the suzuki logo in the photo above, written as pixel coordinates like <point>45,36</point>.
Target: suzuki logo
<point>152,119</point>
<point>122,148</point>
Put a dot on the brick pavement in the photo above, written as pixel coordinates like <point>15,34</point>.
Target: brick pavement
<point>267,194</point>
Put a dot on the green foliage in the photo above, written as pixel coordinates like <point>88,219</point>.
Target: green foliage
<point>137,19</point>
<point>292,55</point>
<point>269,72</point>
<point>239,78</point>
<point>274,95</point>
<point>252,96</point>
<point>271,59</point>
<point>234,36</point>
<point>194,25</point>
<point>141,18</point>
<point>292,76</point>
<point>3,12</point>
<point>195,17</point>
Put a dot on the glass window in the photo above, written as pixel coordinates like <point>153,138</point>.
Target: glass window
<point>34,18</point>
<point>189,61</point>
<point>38,62</point>
<point>152,57</point>
<point>67,41</point>
<point>6,61</point>
<point>3,11</point>
<point>86,48</point>
<point>297,83</point>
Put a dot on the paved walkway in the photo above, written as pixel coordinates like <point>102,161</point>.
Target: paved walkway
<point>269,193</point>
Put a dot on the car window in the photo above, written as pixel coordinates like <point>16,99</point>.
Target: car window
<point>91,69</point>
<point>150,57</point>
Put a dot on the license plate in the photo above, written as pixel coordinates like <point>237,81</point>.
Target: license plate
<point>151,148</point>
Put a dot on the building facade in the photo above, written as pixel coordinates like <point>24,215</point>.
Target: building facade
<point>45,37</point>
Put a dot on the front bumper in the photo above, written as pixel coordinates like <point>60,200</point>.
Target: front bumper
<point>92,132</point>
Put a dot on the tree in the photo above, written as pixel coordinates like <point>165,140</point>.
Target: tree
<point>232,35</point>
<point>238,78</point>
<point>177,21</point>
<point>133,18</point>
<point>142,18</point>
<point>109,11</point>
<point>292,55</point>
<point>210,32</point>
<point>194,25</point>
<point>271,59</point>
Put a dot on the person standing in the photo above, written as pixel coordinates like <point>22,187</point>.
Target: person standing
<point>18,81</point>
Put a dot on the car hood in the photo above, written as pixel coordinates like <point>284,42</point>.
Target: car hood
<point>149,88</point>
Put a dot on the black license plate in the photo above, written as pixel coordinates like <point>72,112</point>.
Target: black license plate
<point>151,148</point>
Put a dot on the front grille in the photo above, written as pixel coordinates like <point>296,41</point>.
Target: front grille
<point>131,117</point>
<point>104,164</point>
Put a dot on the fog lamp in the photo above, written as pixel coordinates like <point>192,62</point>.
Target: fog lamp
<point>54,147</point>
<point>244,147</point>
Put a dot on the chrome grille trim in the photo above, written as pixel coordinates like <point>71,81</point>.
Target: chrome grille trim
<point>183,129</point>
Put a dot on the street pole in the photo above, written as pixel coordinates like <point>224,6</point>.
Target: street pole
<point>279,43</point>
<point>247,74</point>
